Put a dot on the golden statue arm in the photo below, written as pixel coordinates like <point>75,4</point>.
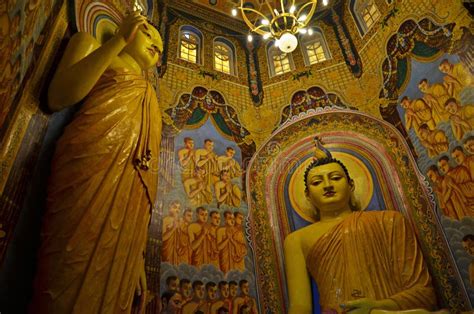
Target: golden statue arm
<point>85,60</point>
<point>298,280</point>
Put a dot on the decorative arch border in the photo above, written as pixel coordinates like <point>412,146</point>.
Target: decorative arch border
<point>194,108</point>
<point>422,40</point>
<point>311,98</point>
<point>267,232</point>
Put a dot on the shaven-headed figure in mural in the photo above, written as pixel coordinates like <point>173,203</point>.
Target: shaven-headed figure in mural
<point>457,77</point>
<point>213,226</point>
<point>186,159</point>
<point>200,239</point>
<point>225,243</point>
<point>169,249</point>
<point>227,193</point>
<point>206,158</point>
<point>196,188</point>
<point>240,245</point>
<point>227,162</point>
<point>450,197</point>
<point>244,299</point>
<point>184,245</point>
<point>435,141</point>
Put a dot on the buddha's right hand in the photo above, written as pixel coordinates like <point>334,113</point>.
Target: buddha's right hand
<point>130,25</point>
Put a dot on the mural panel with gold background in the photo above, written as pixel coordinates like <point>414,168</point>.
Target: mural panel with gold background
<point>430,76</point>
<point>205,249</point>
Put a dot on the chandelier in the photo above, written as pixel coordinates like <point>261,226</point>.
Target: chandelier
<point>277,21</point>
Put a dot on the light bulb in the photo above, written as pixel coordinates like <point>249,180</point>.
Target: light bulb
<point>266,35</point>
<point>265,22</point>
<point>302,30</point>
<point>288,42</point>
<point>310,31</point>
<point>325,2</point>
<point>276,11</point>
<point>302,18</point>
<point>292,9</point>
<point>277,43</point>
<point>234,12</point>
<point>249,38</point>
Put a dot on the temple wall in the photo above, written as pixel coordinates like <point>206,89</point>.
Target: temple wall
<point>33,37</point>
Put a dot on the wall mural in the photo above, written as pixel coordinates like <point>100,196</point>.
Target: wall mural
<point>435,104</point>
<point>205,252</point>
<point>21,24</point>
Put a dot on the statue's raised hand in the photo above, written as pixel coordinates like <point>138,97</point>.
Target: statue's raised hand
<point>130,26</point>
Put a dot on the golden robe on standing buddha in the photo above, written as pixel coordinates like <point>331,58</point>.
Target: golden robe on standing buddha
<point>95,231</point>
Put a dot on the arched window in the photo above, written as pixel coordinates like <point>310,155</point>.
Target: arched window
<point>365,13</point>
<point>224,56</point>
<point>278,61</point>
<point>190,44</point>
<point>315,49</point>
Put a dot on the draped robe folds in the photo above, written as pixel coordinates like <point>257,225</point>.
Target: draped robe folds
<point>100,195</point>
<point>375,253</point>
<point>170,245</point>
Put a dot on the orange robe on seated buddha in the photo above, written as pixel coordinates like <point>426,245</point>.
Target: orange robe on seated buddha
<point>375,255</point>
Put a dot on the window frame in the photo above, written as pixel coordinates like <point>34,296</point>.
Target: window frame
<point>232,55</point>
<point>270,60</point>
<point>199,43</point>
<point>317,36</point>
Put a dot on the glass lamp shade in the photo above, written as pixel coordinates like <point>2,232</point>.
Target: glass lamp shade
<point>288,42</point>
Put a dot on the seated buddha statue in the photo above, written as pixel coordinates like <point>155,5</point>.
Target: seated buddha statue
<point>361,261</point>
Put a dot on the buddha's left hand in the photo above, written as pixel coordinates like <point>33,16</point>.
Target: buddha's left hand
<point>365,305</point>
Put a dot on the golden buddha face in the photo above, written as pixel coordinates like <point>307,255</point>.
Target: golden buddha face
<point>146,47</point>
<point>328,188</point>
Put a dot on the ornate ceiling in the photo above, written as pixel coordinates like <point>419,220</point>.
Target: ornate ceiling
<point>219,11</point>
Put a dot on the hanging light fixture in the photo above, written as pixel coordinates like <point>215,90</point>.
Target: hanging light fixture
<point>280,22</point>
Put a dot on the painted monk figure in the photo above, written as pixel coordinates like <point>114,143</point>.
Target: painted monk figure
<point>463,160</point>
<point>417,113</point>
<point>196,188</point>
<point>186,159</point>
<point>197,303</point>
<point>206,158</point>
<point>227,162</point>
<point>457,77</point>
<point>240,245</point>
<point>435,141</point>
<point>244,299</point>
<point>349,251</point>
<point>200,239</point>
<point>461,117</point>
<point>435,95</point>
<point>213,226</point>
<point>170,234</point>
<point>223,300</point>
<point>184,244</point>
<point>101,190</point>
<point>227,193</point>
<point>225,243</point>
<point>461,178</point>
<point>450,197</point>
